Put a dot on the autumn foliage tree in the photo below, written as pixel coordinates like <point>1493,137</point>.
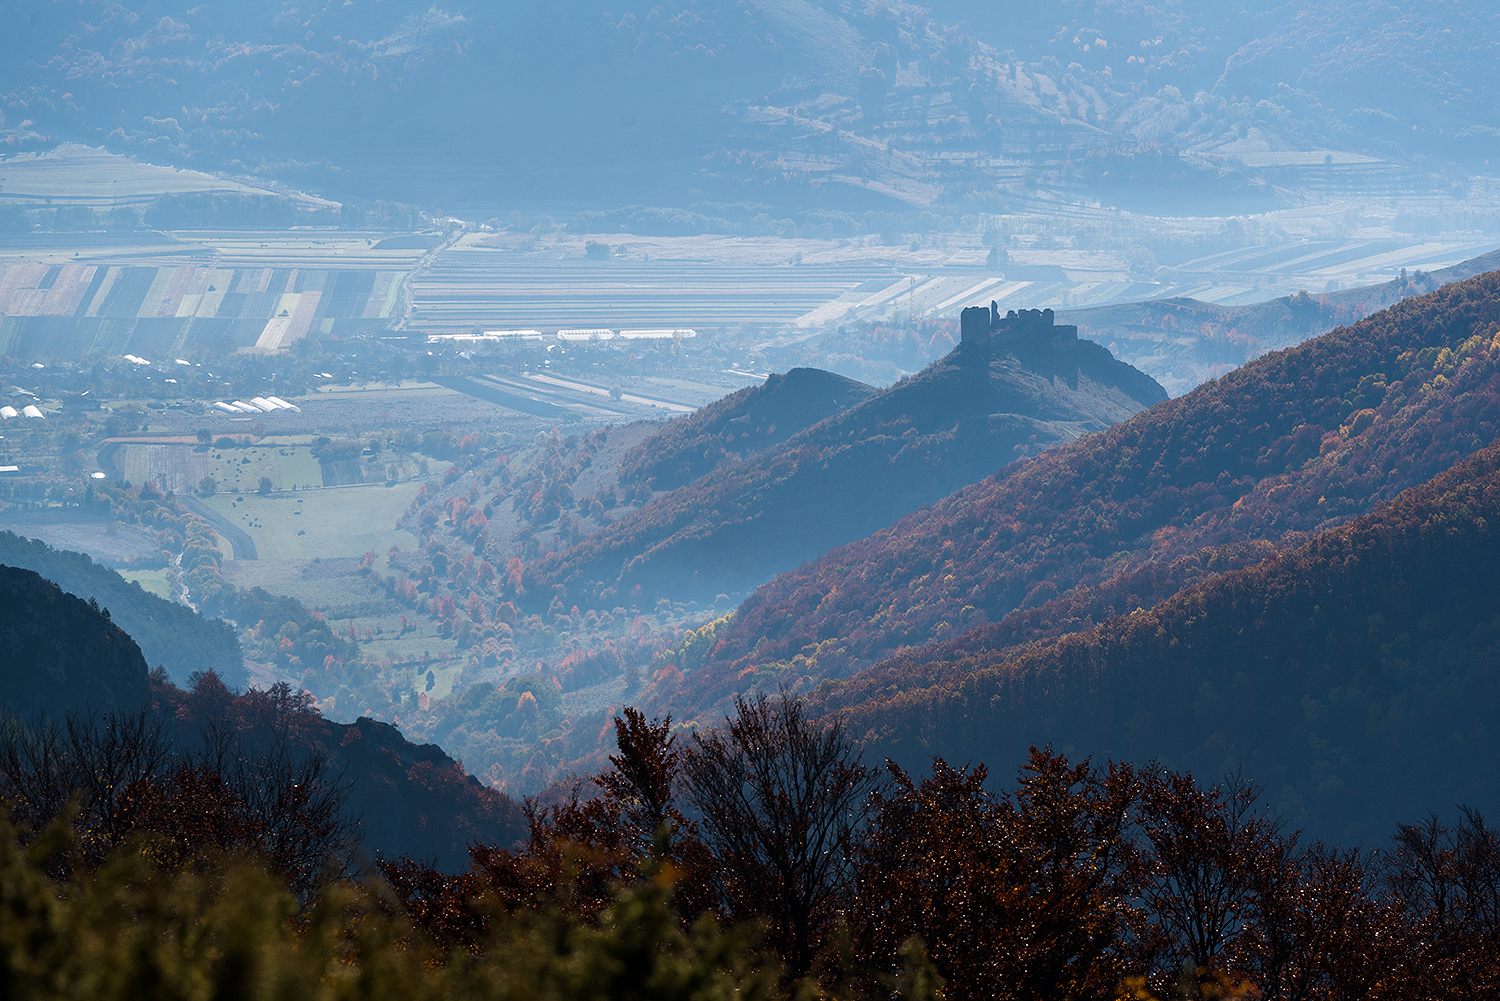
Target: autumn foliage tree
<point>1015,896</point>
<point>122,777</point>
<point>779,797</point>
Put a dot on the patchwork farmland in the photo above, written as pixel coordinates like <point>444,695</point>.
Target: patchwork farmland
<point>100,309</point>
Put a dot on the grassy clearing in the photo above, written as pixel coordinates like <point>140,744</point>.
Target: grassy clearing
<point>286,465</point>
<point>321,524</point>
<point>323,586</point>
<point>154,581</point>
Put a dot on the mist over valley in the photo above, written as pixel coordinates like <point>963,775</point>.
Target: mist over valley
<point>749,485</point>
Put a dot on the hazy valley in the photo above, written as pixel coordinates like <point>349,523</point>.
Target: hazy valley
<point>570,483</point>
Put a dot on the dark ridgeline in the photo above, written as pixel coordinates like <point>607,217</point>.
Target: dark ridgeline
<point>170,635</point>
<point>76,684</point>
<point>63,654</point>
<point>869,462</point>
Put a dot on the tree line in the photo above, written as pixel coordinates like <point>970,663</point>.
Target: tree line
<point>762,859</point>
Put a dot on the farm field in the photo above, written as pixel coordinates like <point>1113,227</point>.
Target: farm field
<point>154,309</point>
<point>351,411</point>
<point>335,412</point>
<point>287,461</point>
<point>320,524</point>
<point>518,282</point>
<point>154,581</point>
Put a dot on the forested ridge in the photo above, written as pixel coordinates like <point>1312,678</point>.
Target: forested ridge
<point>742,423</point>
<point>170,635</point>
<point>1292,443</point>
<point>1353,674</point>
<point>70,666</point>
<point>400,798</point>
<point>847,475</point>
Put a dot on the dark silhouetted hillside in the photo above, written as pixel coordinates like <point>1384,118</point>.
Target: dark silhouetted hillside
<point>170,635</point>
<point>1295,442</point>
<point>955,422</point>
<point>1353,675</point>
<point>741,423</point>
<point>411,799</point>
<point>63,654</point>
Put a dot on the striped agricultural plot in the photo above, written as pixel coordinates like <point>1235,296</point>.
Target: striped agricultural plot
<point>87,309</point>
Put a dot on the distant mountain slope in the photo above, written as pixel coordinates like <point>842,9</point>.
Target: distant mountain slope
<point>172,636</point>
<point>1353,676</point>
<point>1294,442</point>
<point>1348,52</point>
<point>750,420</point>
<point>1186,341</point>
<point>62,654</point>
<point>845,105</point>
<point>956,421</point>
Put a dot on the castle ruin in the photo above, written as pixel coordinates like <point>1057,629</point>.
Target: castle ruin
<point>983,327</point>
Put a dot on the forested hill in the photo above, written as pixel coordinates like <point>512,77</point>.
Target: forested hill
<point>1294,442</point>
<point>65,657</point>
<point>751,420</point>
<point>958,420</point>
<point>170,635</point>
<point>1353,675</point>
<point>63,654</point>
<point>408,799</point>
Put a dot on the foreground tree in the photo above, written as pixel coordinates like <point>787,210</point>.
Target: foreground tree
<point>1021,896</point>
<point>1201,846</point>
<point>124,775</point>
<point>1446,880</point>
<point>779,797</point>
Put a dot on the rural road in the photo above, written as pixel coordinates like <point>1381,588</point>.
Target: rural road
<point>239,539</point>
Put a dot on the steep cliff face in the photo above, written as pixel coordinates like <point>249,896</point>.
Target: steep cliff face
<point>63,654</point>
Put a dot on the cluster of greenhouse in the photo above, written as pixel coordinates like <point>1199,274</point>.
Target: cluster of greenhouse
<point>258,405</point>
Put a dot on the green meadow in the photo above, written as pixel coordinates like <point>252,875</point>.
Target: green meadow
<point>326,523</point>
